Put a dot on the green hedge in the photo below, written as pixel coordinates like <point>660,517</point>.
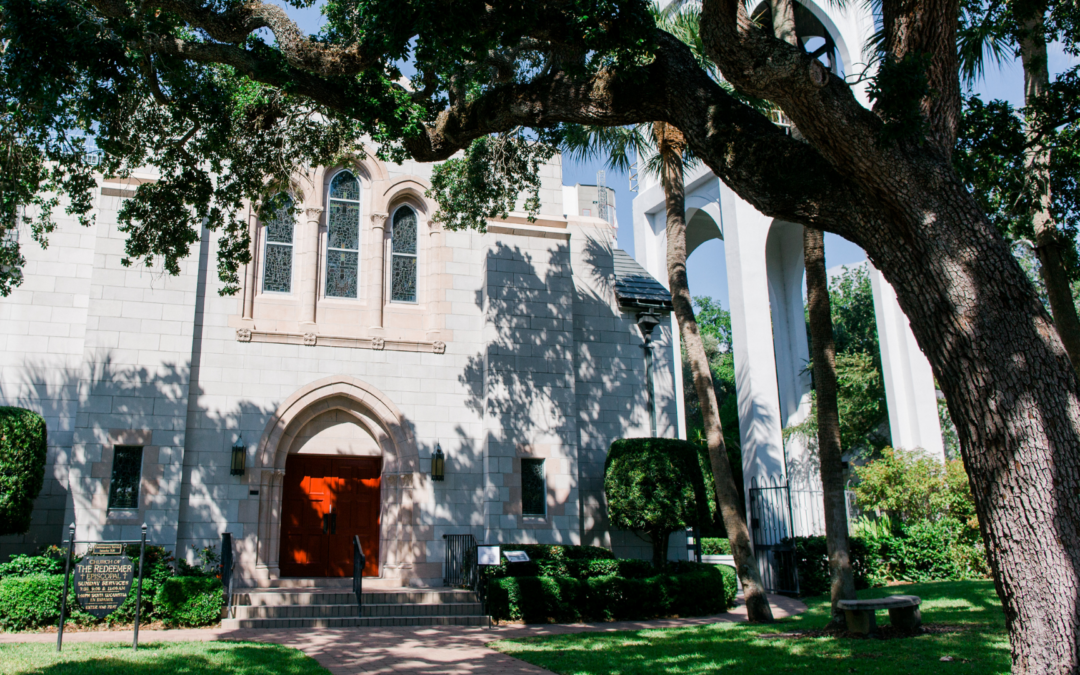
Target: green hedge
<point>33,601</point>
<point>190,601</point>
<point>688,589</point>
<point>943,550</point>
<point>577,569</point>
<point>31,589</point>
<point>731,584</point>
<point>715,546</point>
<point>22,467</point>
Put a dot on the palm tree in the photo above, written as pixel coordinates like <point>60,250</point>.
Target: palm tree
<point>666,149</point>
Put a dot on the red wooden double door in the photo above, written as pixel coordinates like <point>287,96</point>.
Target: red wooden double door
<point>327,501</point>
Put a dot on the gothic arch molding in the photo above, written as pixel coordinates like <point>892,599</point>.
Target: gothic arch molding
<point>371,410</point>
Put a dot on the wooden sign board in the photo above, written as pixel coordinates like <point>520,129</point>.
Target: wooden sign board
<point>102,583</point>
<point>516,556</point>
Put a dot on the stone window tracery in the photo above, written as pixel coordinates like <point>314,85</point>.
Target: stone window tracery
<point>343,237</point>
<point>403,263</point>
<point>278,250</point>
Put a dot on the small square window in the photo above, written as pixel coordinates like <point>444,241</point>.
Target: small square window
<point>126,476</point>
<point>533,488</point>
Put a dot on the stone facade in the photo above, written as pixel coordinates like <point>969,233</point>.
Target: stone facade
<point>514,348</point>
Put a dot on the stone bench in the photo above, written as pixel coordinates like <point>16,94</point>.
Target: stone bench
<point>903,612</point>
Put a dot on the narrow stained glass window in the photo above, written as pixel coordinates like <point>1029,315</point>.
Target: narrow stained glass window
<point>278,256</point>
<point>126,476</point>
<point>403,268</point>
<point>343,237</point>
<point>533,487</point>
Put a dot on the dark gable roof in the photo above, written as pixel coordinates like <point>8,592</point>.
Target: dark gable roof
<point>635,288</point>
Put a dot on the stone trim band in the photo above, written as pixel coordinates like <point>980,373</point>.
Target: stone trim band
<point>311,339</point>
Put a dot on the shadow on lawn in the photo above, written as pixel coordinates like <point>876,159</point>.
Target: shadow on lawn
<point>976,643</point>
<point>158,658</point>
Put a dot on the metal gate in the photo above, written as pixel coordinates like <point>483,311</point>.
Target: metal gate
<point>771,528</point>
<point>459,567</point>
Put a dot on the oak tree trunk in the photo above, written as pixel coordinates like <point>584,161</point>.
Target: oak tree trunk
<point>1047,243</point>
<point>671,145</point>
<point>823,357</point>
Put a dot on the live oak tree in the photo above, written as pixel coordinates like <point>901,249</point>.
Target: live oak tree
<point>197,89</point>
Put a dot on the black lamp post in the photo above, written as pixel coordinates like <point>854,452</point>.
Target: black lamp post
<point>646,322</point>
<point>438,464</point>
<point>239,453</point>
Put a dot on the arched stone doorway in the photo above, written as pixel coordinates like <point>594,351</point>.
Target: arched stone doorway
<point>337,425</point>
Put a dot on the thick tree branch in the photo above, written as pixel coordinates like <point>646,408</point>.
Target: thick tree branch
<point>238,23</point>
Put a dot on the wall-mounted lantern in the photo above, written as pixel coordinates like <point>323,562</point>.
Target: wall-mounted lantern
<point>646,322</point>
<point>239,452</point>
<point>438,464</point>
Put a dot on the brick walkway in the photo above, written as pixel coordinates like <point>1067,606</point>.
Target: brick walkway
<point>452,650</point>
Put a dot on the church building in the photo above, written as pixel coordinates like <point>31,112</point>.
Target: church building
<point>376,376</point>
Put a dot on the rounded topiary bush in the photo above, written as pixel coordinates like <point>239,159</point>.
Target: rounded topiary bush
<point>654,485</point>
<point>22,467</point>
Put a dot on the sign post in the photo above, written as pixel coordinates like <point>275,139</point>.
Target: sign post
<point>138,591</point>
<point>102,580</point>
<point>63,600</point>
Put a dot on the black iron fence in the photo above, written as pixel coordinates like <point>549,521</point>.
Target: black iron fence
<point>459,567</point>
<point>771,528</point>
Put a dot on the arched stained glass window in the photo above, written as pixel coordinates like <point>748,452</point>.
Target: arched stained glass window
<point>343,237</point>
<point>278,250</point>
<point>403,268</point>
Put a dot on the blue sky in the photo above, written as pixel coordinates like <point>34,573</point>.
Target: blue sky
<point>706,268</point>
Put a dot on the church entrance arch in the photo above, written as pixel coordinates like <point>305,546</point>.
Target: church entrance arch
<point>325,456</point>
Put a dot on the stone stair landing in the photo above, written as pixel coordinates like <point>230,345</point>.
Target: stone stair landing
<point>310,606</point>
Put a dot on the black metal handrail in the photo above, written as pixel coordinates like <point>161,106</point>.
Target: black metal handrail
<point>227,562</point>
<point>359,560</point>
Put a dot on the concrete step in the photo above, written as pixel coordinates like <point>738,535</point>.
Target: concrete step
<point>325,582</point>
<point>349,611</point>
<point>355,622</point>
<point>286,597</point>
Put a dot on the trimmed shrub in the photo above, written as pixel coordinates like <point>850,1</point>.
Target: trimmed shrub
<point>22,467</point>
<point>731,584</point>
<point>535,599</point>
<point>189,601</point>
<point>812,563</point>
<point>715,546</point>
<point>33,601</point>
<point>685,589</point>
<point>654,485</point>
<point>25,565</point>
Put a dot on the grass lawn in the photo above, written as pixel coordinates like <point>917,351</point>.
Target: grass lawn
<point>969,610</point>
<point>157,658</point>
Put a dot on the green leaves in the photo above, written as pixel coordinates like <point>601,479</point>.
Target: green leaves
<point>487,182</point>
<point>898,92</point>
<point>653,484</point>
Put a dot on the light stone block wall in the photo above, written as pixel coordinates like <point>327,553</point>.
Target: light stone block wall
<point>42,330</point>
<point>135,375</point>
<point>528,380</point>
